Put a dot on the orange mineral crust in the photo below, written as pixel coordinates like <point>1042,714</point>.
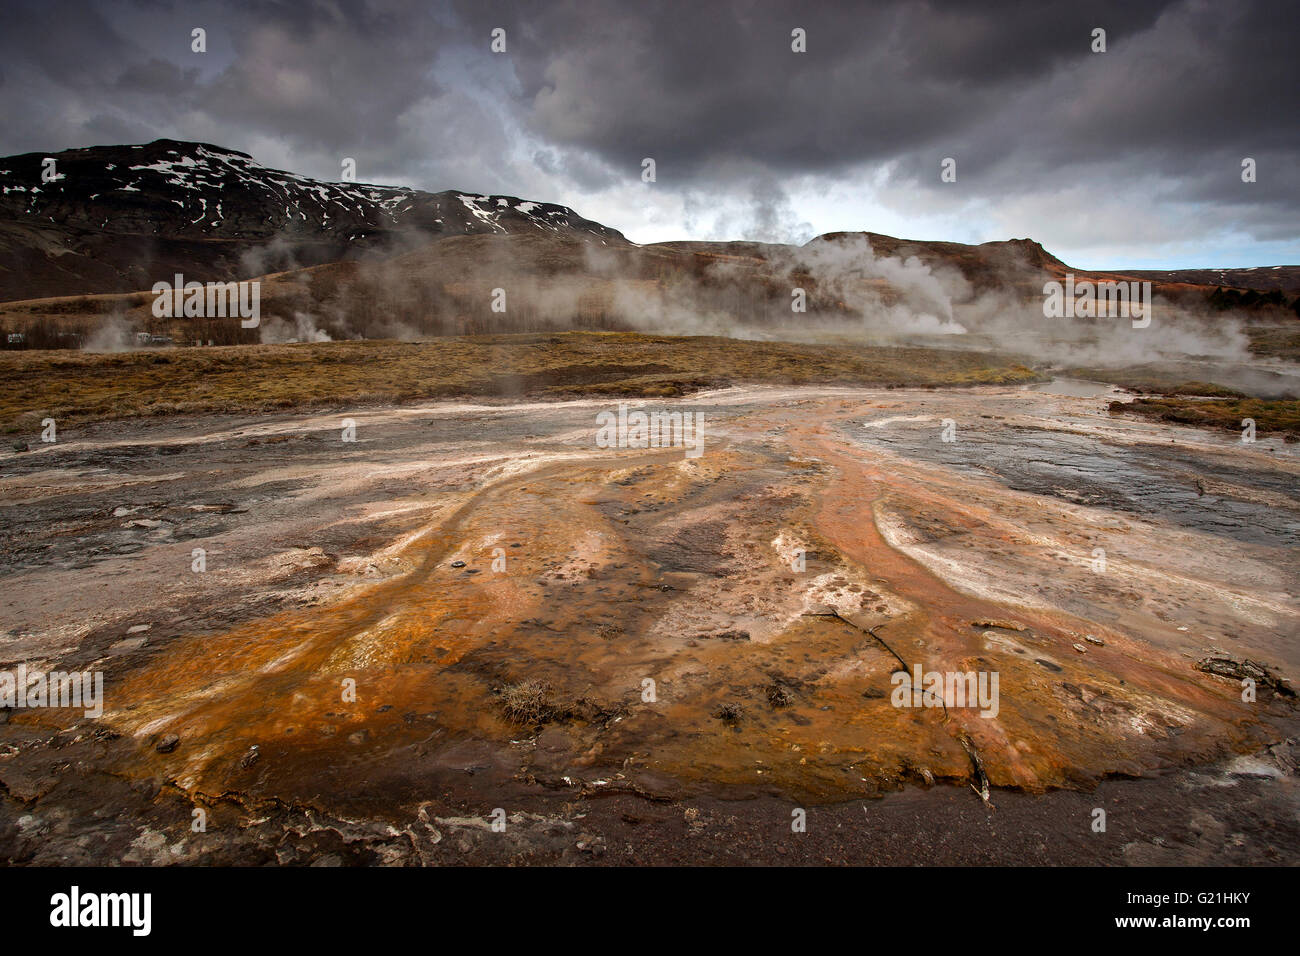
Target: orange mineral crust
<point>495,608</point>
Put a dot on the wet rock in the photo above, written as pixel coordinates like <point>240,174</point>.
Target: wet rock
<point>1249,766</point>
<point>250,758</point>
<point>304,559</point>
<point>725,636</point>
<point>591,843</point>
<point>167,744</point>
<point>1005,625</point>
<point>32,826</point>
<point>458,564</point>
<point>1245,670</point>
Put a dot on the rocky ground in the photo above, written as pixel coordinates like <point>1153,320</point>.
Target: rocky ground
<point>372,651</point>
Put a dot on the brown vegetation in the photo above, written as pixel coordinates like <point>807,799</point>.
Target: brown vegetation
<point>72,386</point>
<point>1269,415</point>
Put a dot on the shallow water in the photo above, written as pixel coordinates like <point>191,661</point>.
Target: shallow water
<point>1076,388</point>
<point>1151,480</point>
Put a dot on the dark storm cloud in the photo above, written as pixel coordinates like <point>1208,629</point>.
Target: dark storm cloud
<point>327,77</point>
<point>1011,90</point>
<point>699,81</point>
<point>710,90</point>
<point>339,79</point>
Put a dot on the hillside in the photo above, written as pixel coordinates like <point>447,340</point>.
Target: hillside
<point>119,218</point>
<point>352,260</point>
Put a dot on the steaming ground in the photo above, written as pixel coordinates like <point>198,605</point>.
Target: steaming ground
<point>850,289</point>
<point>500,589</point>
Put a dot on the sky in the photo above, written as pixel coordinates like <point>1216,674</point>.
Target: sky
<point>1131,157</point>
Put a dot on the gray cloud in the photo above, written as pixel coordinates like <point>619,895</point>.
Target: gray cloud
<point>1040,126</point>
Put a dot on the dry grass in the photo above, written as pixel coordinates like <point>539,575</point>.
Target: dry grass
<point>533,702</point>
<point>1155,380</point>
<point>78,386</point>
<point>528,702</point>
<point>1270,415</point>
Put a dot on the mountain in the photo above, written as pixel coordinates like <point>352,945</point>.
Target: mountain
<point>1251,278</point>
<point>79,254</point>
<point>120,218</point>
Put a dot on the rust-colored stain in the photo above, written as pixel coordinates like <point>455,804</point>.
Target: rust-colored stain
<point>633,568</point>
